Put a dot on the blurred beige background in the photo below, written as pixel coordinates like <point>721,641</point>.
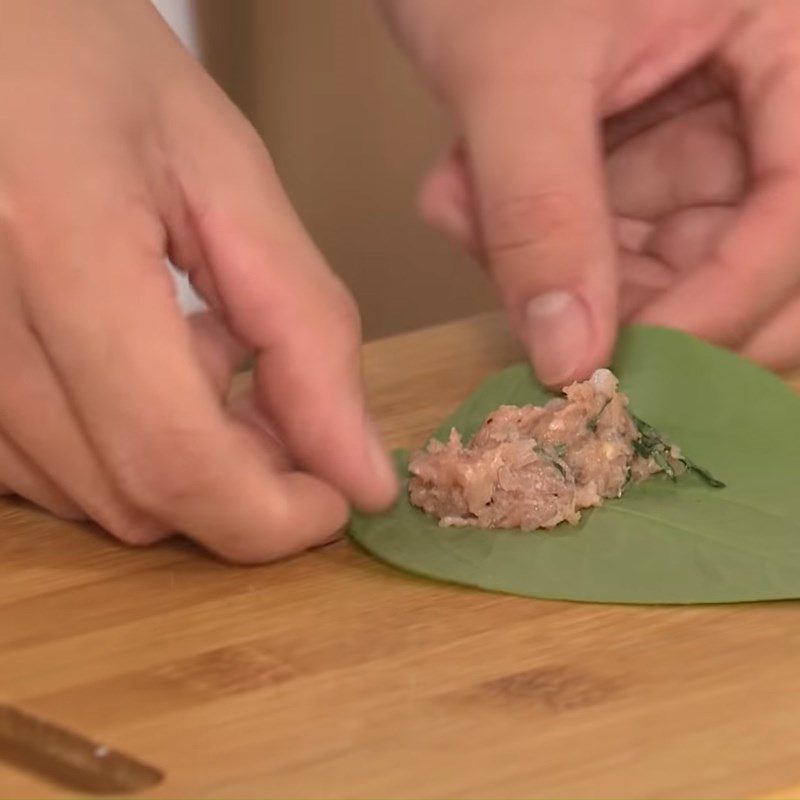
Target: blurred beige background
<point>352,130</point>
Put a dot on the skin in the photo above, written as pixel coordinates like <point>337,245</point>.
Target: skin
<point>594,188</point>
<point>113,404</point>
<point>621,160</point>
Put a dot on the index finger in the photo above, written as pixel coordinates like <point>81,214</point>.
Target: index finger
<point>281,299</point>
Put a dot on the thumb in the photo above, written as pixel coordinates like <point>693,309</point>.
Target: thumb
<point>535,164</point>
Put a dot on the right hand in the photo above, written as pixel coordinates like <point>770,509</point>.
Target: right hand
<point>116,150</point>
<point>622,160</point>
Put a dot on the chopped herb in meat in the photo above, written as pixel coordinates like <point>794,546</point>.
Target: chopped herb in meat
<point>652,444</point>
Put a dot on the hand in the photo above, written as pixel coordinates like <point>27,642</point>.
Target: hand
<point>622,160</point>
<point>117,150</point>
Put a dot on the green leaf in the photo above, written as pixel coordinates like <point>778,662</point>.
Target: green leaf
<point>662,542</point>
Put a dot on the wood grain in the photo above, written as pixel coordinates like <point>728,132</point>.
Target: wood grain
<point>330,675</point>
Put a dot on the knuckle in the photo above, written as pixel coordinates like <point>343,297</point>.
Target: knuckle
<point>344,318</point>
<point>34,227</point>
<point>481,56</point>
<point>250,152</point>
<point>530,223</point>
<point>346,312</point>
<point>250,139</point>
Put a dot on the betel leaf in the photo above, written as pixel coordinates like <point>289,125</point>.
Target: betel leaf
<point>663,541</point>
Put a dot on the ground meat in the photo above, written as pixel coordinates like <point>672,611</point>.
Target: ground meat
<point>533,467</point>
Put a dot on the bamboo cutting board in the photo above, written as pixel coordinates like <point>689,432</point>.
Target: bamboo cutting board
<point>330,675</point>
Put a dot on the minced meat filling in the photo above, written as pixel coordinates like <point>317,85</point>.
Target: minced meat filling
<point>533,467</point>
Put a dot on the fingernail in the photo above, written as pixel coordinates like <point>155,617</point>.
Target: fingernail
<point>557,333</point>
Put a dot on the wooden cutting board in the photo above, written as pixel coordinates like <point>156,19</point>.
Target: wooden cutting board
<point>330,675</point>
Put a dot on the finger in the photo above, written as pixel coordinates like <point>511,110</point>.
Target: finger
<point>631,233</point>
<point>776,344</point>
<point>641,277</point>
<point>281,300</point>
<point>150,411</point>
<point>692,160</point>
<point>445,200</point>
<point>689,237</point>
<point>21,477</point>
<point>245,409</point>
<point>35,411</point>
<point>700,87</point>
<point>754,266</point>
<point>535,164</point>
<point>219,352</point>
<point>667,252</point>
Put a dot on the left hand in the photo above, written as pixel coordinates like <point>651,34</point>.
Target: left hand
<point>603,177</point>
